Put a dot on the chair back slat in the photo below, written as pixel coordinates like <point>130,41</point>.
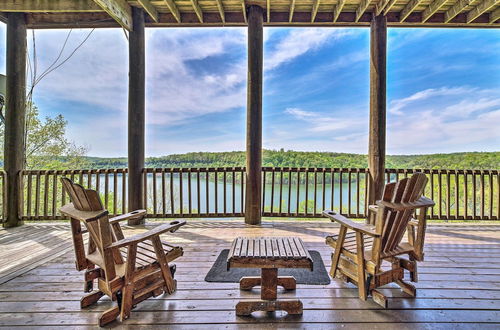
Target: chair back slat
<point>83,199</point>
<point>407,190</point>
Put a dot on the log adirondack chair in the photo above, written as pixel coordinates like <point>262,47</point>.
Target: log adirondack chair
<point>362,252</point>
<point>128,270</point>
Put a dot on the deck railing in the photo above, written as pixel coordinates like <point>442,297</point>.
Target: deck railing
<point>288,192</point>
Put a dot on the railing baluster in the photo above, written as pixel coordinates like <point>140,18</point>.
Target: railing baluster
<point>198,201</point>
<point>323,197</point>
<point>289,190</point>
<point>440,194</point>
<point>306,207</point>
<point>154,190</point>
<point>448,194</point>
<point>349,191</point>
<point>28,207</point>
<point>340,191</point>
<point>163,192</point>
<point>457,197</point>
<point>281,192</point>
<point>216,197</point>
<point>54,195</point>
<point>490,181</point>
<point>474,194</point>
<point>243,191</point>
<point>233,190</point>
<point>115,188</point>
<point>272,190</point>
<point>315,190</point>
<point>264,172</point>
<point>181,186</point>
<point>172,201</point>
<point>332,180</point>
<point>45,193</point>
<point>298,193</point>
<point>37,195</point>
<point>224,189</point>
<point>357,193</point>
<point>207,188</point>
<point>482,194</point>
<point>124,191</point>
<point>466,196</point>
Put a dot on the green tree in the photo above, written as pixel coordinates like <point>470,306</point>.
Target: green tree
<point>46,145</point>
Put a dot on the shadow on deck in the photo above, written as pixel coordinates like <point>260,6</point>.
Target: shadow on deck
<point>459,283</point>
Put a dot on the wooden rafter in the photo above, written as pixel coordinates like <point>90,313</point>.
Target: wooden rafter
<point>455,10</point>
<point>338,9</point>
<point>431,9</point>
<point>34,6</point>
<point>379,7</point>
<point>119,10</point>
<point>480,9</point>
<point>408,9</point>
<point>149,8</point>
<point>173,9</point>
<point>197,10</point>
<point>361,9</point>
<point>292,9</point>
<point>244,8</point>
<point>220,7</point>
<point>389,6</point>
<point>495,15</point>
<point>315,9</point>
<point>268,10</point>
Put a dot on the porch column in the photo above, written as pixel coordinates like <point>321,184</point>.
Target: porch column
<point>15,115</point>
<point>253,198</point>
<point>376,148</point>
<point>136,113</point>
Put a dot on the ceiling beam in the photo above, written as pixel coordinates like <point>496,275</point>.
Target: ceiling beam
<point>149,8</point>
<point>361,9</point>
<point>495,15</point>
<point>408,9</point>
<point>431,9</point>
<point>119,10</point>
<point>337,10</point>
<point>268,10</point>
<point>44,6</point>
<point>389,6</point>
<point>480,9</point>
<point>197,10</point>
<point>315,10</point>
<point>379,6</point>
<point>292,9</point>
<point>173,9</point>
<point>220,7</point>
<point>244,8</point>
<point>455,10</point>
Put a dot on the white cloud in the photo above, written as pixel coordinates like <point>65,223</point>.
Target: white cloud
<point>396,106</point>
<point>299,42</point>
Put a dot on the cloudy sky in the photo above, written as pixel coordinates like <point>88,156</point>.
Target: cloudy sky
<point>443,89</point>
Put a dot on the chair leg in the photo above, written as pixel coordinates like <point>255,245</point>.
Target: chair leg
<point>91,298</point>
<point>109,316</point>
<point>126,302</point>
<point>407,288</point>
<point>338,250</point>
<point>379,298</point>
<point>414,273</point>
<point>361,265</point>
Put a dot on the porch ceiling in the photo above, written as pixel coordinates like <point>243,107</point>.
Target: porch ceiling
<point>196,13</point>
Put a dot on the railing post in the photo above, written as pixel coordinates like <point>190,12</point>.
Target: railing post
<point>15,115</point>
<point>136,114</point>
<point>376,148</point>
<point>253,210</point>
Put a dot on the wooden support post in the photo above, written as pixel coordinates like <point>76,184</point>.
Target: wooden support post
<point>376,148</point>
<point>136,114</point>
<point>15,115</point>
<point>253,198</point>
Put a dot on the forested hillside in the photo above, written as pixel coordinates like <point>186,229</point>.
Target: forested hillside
<point>281,158</point>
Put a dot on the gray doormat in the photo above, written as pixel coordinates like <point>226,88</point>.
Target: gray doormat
<point>219,272</point>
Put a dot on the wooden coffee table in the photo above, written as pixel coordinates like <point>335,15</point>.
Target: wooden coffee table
<point>269,254</point>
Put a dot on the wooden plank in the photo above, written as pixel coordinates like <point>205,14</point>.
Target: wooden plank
<point>149,8</point>
<point>197,10</point>
<point>119,10</point>
<point>173,9</point>
<point>16,116</point>
<point>431,9</point>
<point>408,9</point>
<point>268,10</point>
<point>253,203</point>
<point>483,7</point>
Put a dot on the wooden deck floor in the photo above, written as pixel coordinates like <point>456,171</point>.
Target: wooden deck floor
<point>459,283</point>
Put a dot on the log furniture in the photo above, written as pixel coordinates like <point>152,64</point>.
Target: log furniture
<point>269,254</point>
<point>362,254</point>
<point>128,270</point>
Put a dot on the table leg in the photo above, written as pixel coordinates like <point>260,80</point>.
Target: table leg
<point>269,285</point>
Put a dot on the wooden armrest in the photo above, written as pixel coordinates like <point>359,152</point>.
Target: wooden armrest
<point>170,227</point>
<point>126,216</point>
<point>420,203</point>
<point>70,211</point>
<point>365,229</point>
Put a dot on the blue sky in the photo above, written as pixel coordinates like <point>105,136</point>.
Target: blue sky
<point>443,89</point>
